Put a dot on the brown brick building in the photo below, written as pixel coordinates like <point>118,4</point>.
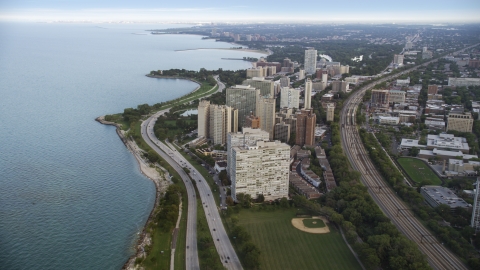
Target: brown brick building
<point>306,121</point>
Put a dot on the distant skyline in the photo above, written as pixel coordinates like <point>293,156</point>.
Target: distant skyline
<point>428,11</point>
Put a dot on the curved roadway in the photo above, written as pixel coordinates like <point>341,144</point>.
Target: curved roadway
<point>438,256</point>
<point>191,253</point>
<point>222,243</point>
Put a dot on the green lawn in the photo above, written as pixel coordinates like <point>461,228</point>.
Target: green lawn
<point>419,172</point>
<point>155,258</point>
<point>313,223</point>
<point>283,246</point>
<point>179,262</point>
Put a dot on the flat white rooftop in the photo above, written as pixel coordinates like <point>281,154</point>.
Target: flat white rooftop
<point>409,143</point>
<point>447,141</point>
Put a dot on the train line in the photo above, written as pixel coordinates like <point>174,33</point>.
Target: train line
<point>438,256</point>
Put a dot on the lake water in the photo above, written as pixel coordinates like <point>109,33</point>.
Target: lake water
<point>71,195</point>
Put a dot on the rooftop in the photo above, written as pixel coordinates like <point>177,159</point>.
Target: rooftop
<point>447,141</point>
<point>444,195</point>
<point>411,143</point>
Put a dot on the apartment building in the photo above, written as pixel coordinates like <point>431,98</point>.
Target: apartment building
<point>462,122</point>
<point>244,99</point>
<point>262,168</point>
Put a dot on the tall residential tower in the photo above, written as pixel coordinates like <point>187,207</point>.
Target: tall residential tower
<point>310,61</point>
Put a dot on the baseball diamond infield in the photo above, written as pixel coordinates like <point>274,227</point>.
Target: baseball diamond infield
<point>298,223</point>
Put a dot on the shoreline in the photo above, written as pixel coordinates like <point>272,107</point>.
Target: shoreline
<point>161,183</point>
<point>151,173</point>
<point>229,49</point>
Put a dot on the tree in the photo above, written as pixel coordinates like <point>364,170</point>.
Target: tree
<point>284,202</point>
<point>413,151</point>
<point>229,201</point>
<point>251,256</point>
<point>153,156</point>
<point>260,198</point>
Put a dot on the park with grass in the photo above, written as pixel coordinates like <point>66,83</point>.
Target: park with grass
<point>419,172</point>
<point>283,246</point>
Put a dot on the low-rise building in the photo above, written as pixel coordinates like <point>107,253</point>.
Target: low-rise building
<point>327,97</point>
<point>220,166</point>
<point>463,81</point>
<point>409,143</point>
<point>444,154</point>
<point>396,96</point>
<point>448,142</point>
<point>388,120</point>
<point>436,195</point>
<point>465,168</point>
<point>303,187</point>
<point>435,124</point>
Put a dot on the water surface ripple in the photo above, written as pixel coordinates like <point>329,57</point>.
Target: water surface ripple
<point>71,195</point>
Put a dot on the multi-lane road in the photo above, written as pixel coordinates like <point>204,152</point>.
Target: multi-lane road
<point>437,255</point>
<point>169,153</point>
<point>191,253</point>
<point>222,242</point>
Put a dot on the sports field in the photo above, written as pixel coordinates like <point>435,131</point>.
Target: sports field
<point>284,247</point>
<point>313,223</point>
<point>419,172</point>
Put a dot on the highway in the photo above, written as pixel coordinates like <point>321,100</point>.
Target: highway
<point>168,152</point>
<point>438,256</point>
<point>222,242</point>
<point>191,253</point>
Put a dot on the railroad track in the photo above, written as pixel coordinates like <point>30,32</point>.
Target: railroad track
<point>399,213</point>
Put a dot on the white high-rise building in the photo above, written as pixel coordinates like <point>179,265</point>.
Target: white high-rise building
<point>261,169</point>
<point>301,74</point>
<point>398,59</point>
<point>203,118</point>
<point>289,98</point>
<point>330,111</point>
<point>475,223</point>
<point>310,61</point>
<point>223,119</point>
<point>248,136</point>
<point>308,94</point>
<point>324,79</point>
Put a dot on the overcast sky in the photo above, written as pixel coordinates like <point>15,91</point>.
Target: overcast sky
<point>245,10</point>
